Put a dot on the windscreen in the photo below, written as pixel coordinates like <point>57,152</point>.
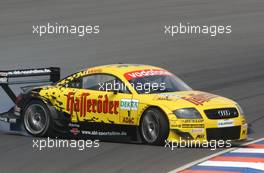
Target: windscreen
<point>155,81</point>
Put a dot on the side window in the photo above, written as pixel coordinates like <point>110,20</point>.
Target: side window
<point>103,82</point>
<point>77,83</point>
<point>120,86</point>
<point>96,82</point>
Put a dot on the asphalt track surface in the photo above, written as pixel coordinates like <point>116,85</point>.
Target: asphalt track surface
<point>132,32</point>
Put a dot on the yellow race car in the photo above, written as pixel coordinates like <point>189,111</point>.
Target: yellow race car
<point>125,101</point>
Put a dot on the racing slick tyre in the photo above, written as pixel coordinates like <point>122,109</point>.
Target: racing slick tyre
<point>154,127</point>
<point>37,119</point>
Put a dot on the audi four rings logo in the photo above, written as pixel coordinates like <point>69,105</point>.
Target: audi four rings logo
<point>224,113</point>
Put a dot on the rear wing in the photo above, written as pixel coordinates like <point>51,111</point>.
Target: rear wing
<point>11,77</point>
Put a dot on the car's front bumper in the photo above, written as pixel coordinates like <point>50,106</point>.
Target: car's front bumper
<point>207,130</point>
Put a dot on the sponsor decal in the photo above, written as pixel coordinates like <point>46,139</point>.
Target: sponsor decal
<point>104,133</point>
<point>193,121</point>
<point>192,125</point>
<point>27,72</point>
<point>3,74</point>
<point>199,99</point>
<point>197,130</point>
<point>168,97</point>
<point>90,71</point>
<point>84,104</point>
<point>74,125</point>
<point>176,126</point>
<point>128,120</point>
<point>146,73</point>
<point>225,123</point>
<point>75,131</point>
<point>129,104</point>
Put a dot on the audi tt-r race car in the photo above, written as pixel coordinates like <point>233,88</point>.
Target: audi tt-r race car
<point>121,101</point>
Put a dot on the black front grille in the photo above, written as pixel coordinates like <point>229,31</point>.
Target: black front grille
<point>222,113</point>
<point>226,133</point>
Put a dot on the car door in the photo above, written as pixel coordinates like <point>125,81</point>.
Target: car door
<point>100,100</point>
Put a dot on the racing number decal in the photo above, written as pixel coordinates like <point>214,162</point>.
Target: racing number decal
<point>131,106</point>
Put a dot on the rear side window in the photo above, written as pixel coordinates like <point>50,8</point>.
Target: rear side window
<point>77,83</point>
<point>97,81</point>
<point>104,82</point>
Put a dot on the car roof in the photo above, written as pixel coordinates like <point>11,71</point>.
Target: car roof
<point>114,69</point>
<point>120,69</point>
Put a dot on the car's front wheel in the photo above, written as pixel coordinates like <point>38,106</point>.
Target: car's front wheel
<point>154,127</point>
<point>37,120</point>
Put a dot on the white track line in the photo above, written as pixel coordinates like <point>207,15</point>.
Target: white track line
<point>248,150</point>
<point>259,166</point>
<point>210,156</point>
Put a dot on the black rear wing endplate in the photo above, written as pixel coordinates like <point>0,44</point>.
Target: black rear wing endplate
<point>9,77</point>
<point>6,76</point>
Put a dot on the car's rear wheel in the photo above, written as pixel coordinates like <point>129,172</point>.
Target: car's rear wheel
<point>37,120</point>
<point>154,127</point>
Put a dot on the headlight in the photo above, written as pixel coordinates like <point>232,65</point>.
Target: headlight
<point>240,109</point>
<point>187,113</point>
